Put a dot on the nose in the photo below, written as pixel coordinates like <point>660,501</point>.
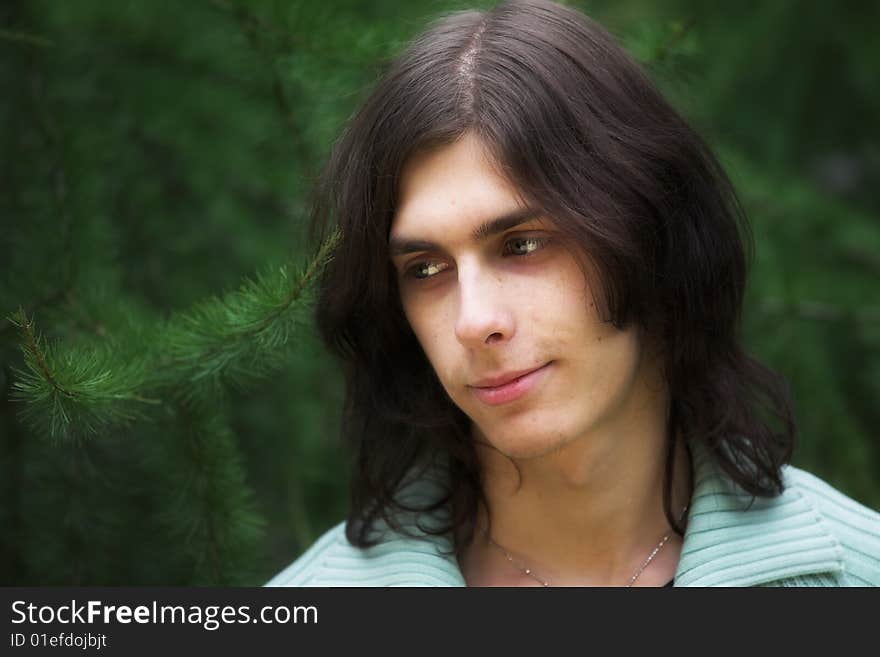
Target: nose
<point>484,309</point>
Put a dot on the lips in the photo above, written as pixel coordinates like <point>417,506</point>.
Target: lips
<point>502,379</point>
<point>513,386</point>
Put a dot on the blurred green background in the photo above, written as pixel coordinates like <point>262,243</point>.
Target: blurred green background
<point>157,153</point>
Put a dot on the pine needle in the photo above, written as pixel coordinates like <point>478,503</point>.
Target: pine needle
<point>75,392</point>
<point>243,335</point>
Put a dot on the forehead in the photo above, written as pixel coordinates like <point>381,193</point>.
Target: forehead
<point>445,186</point>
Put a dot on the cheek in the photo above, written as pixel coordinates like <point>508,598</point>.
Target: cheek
<point>431,329</point>
<point>562,312</point>
<point>610,364</point>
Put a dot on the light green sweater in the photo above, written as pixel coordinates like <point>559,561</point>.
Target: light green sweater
<point>810,535</point>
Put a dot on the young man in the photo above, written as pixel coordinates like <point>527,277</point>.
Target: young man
<point>536,295</point>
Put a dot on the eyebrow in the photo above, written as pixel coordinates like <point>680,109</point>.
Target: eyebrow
<point>402,245</point>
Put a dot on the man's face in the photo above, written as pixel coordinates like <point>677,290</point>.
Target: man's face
<point>511,300</point>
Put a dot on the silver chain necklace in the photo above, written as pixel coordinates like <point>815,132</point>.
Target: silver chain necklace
<point>519,565</point>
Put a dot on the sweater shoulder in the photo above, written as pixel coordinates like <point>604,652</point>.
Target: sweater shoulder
<point>304,569</point>
<point>396,561</point>
<point>853,524</point>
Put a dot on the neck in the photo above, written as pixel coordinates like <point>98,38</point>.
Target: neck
<point>588,514</point>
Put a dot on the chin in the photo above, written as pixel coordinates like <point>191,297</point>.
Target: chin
<point>533,451</point>
<point>525,446</point>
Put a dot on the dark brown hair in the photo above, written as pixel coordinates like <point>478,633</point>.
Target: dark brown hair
<point>585,136</point>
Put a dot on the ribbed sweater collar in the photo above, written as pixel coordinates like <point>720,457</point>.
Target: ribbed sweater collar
<point>732,538</point>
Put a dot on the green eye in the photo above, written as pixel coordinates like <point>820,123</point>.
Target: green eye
<point>526,245</point>
<point>518,246</point>
<point>425,270</point>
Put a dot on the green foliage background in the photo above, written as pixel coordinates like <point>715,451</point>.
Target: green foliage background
<point>156,158</point>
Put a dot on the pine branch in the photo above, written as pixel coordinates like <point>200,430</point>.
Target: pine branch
<point>74,393</point>
<point>239,336</point>
<point>209,506</point>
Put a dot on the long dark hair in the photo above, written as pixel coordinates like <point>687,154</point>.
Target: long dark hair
<point>585,136</point>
